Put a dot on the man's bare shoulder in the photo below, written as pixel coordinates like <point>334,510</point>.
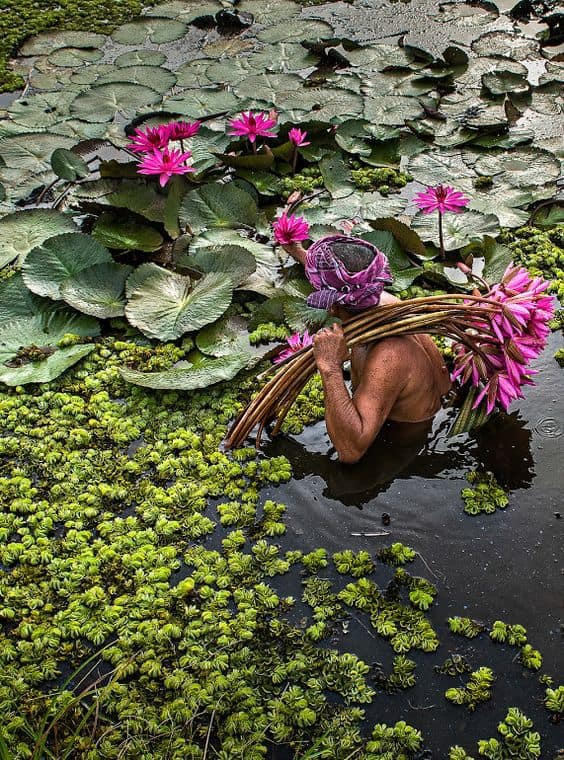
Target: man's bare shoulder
<point>398,350</point>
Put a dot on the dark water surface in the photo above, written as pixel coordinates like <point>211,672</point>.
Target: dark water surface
<point>506,566</point>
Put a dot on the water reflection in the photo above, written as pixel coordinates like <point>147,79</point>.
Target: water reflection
<point>502,446</point>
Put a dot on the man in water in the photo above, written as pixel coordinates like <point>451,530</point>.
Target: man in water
<point>399,379</point>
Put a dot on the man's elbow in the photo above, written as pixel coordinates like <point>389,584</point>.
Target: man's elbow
<point>351,455</point>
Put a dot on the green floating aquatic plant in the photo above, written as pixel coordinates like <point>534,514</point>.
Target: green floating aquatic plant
<point>454,665</point>
<point>485,497</point>
<point>504,633</point>
<point>401,677</point>
<point>476,691</point>
<point>458,753</point>
<point>398,742</point>
<point>554,701</point>
<point>518,742</point>
<point>397,554</point>
<point>354,563</point>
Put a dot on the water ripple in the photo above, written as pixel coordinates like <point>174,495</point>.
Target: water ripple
<point>548,427</point>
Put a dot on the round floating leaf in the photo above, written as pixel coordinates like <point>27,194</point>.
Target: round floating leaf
<point>98,290</point>
<point>321,104</point>
<point>23,230</point>
<point>140,58</point>
<point>233,260</point>
<point>217,205</point>
<point>32,151</point>
<point>194,74</point>
<point>504,80</point>
<point>438,167</point>
<point>200,102</point>
<point>102,102</point>
<point>183,11</point>
<point>67,165</point>
<point>62,256</point>
<point>73,57</point>
<point>268,87</point>
<point>392,109</point>
<point>46,370</point>
<point>188,377</point>
<point>16,300</point>
<point>230,71</point>
<point>520,168</point>
<point>506,45</point>
<point>46,42</point>
<point>165,305</point>
<point>141,198</point>
<point>156,30</point>
<point>226,337</point>
<point>458,229</point>
<point>283,57</point>
<point>90,74</point>
<point>269,12</point>
<point>126,234</point>
<point>309,30</point>
<point>155,77</point>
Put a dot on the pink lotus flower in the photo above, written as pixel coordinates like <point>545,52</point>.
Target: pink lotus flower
<point>182,130</point>
<point>298,137</point>
<point>290,229</point>
<point>150,139</point>
<point>510,334</point>
<point>441,198</point>
<point>296,342</point>
<point>252,125</point>
<point>166,163</point>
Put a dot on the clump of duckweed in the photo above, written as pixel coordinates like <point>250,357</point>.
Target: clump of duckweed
<point>401,677</point>
<point>458,753</point>
<point>465,626</point>
<point>485,497</point>
<point>315,561</point>
<point>309,407</point>
<point>393,742</point>
<point>541,251</point>
<point>504,633</point>
<point>307,181</point>
<point>386,180</point>
<point>559,356</point>
<point>517,739</point>
<point>530,658</point>
<point>454,665</point>
<point>476,691</point>
<point>352,563</point>
<point>318,594</point>
<point>554,701</point>
<point>268,332</point>
<point>397,554</point>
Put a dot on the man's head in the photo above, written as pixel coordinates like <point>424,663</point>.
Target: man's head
<point>346,271</point>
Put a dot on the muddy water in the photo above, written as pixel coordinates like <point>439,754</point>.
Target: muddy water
<point>506,566</point>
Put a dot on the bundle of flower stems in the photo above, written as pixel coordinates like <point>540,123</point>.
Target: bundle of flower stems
<point>495,337</point>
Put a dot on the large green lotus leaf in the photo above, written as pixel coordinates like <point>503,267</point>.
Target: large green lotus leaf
<point>458,229</point>
<point>379,57</point>
<point>233,260</point>
<point>336,175</point>
<point>392,109</point>
<point>353,137</point>
<point>23,230</point>
<point>496,259</point>
<point>226,337</point>
<point>510,140</point>
<point>165,305</point>
<point>90,74</point>
<point>507,78</point>
<point>41,110</point>
<point>102,102</point>
<point>299,316</point>
<point>215,205</point>
<point>510,45</point>
<point>499,202</point>
<point>139,197</point>
<point>73,57</point>
<point>268,87</point>
<point>67,165</point>
<point>520,168</point>
<point>270,12</point>
<point>375,206</point>
<point>387,243</point>
<point>185,12</point>
<point>405,236</point>
<point>122,234</point>
<point>471,112</point>
<point>188,377</point>
<point>194,74</point>
<point>140,58</point>
<point>283,57</point>
<point>321,104</point>
<point>46,42</point>
<point>266,183</point>
<point>230,71</point>
<point>155,77</point>
<point>16,300</point>
<point>32,151</point>
<point>58,258</point>
<point>156,30</point>
<point>199,102</point>
<point>46,370</point>
<point>98,290</point>
<point>446,167</point>
<point>396,83</point>
<point>553,73</point>
<point>228,47</point>
<point>549,216</point>
<point>299,31</point>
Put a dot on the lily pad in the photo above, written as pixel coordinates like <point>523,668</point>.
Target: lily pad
<point>58,258</point>
<point>98,290</point>
<point>188,377</point>
<point>226,337</point>
<point>153,29</point>
<point>156,77</point>
<point>32,151</point>
<point>102,102</point>
<point>139,197</point>
<point>310,30</point>
<point>233,260</point>
<point>458,229</point>
<point>520,168</point>
<point>46,42</point>
<point>140,58</point>
<point>16,300</point>
<point>72,57</point>
<point>268,87</point>
<point>284,57</point>
<point>67,165</point>
<point>215,205</point>
<point>165,305</point>
<point>392,109</point>
<point>23,230</point>
<point>199,102</point>
<point>126,234</point>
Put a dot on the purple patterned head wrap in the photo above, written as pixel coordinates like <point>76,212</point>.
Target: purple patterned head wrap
<point>334,283</point>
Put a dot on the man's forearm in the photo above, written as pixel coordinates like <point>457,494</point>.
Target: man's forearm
<point>343,421</point>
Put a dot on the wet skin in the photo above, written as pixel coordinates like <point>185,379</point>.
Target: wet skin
<point>400,379</point>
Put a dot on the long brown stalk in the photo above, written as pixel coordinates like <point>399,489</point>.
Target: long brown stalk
<point>449,315</point>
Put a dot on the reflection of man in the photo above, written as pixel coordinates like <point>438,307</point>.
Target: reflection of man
<point>400,379</point>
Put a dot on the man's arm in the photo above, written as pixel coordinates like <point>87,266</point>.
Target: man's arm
<point>353,423</point>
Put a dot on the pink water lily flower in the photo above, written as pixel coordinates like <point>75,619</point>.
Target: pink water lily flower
<point>252,125</point>
<point>290,229</point>
<point>150,139</point>
<point>298,137</point>
<point>441,198</point>
<point>295,343</point>
<point>165,163</point>
<point>182,130</point>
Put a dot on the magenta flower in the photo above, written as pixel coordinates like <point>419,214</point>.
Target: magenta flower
<point>290,229</point>
<point>511,333</point>
<point>166,163</point>
<point>296,342</point>
<point>182,130</point>
<point>298,137</point>
<point>252,125</point>
<point>153,138</point>
<point>441,198</point>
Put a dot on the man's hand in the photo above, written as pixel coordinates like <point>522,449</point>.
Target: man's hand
<point>330,348</point>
